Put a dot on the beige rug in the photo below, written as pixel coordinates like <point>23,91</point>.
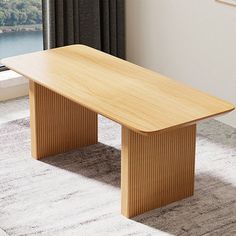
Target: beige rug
<point>78,193</point>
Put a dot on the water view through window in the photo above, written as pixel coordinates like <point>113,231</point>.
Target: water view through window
<point>20,27</point>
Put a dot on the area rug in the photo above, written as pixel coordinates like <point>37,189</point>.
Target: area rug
<point>78,193</point>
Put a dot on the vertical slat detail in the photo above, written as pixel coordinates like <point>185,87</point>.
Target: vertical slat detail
<point>156,170</point>
<point>58,124</point>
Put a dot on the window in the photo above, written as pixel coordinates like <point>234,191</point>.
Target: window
<point>20,27</point>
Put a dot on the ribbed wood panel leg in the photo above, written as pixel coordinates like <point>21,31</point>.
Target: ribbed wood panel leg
<point>58,124</point>
<point>156,170</point>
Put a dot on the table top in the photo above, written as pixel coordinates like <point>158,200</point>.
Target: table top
<point>135,97</point>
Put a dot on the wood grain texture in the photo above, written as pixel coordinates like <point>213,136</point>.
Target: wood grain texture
<point>156,170</point>
<point>58,124</point>
<point>137,98</point>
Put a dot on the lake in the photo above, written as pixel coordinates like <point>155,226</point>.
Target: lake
<point>16,43</point>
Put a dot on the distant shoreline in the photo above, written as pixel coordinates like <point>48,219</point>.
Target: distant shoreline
<point>20,28</point>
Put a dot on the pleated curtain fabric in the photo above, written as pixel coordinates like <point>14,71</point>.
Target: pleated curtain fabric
<point>96,23</point>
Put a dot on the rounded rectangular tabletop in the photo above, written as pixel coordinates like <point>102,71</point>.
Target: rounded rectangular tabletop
<point>135,97</point>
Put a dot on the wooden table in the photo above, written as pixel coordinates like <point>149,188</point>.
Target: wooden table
<point>69,86</point>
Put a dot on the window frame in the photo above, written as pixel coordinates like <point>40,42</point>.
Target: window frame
<point>4,68</point>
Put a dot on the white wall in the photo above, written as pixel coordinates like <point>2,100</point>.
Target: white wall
<point>189,40</point>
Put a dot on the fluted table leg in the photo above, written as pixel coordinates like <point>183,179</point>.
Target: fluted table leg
<point>156,170</point>
<point>57,123</point>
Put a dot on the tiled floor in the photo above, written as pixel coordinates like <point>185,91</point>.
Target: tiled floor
<point>14,109</point>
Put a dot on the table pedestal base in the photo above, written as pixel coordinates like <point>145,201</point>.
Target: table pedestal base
<point>58,124</point>
<point>156,170</point>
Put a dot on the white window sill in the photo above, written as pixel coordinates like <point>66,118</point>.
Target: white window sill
<point>10,78</point>
<point>12,85</point>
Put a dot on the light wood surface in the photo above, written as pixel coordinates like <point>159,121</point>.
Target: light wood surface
<point>70,85</point>
<point>58,124</point>
<point>156,170</point>
<point>137,98</point>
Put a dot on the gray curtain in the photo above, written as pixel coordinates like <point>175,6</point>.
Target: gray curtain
<point>96,23</point>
